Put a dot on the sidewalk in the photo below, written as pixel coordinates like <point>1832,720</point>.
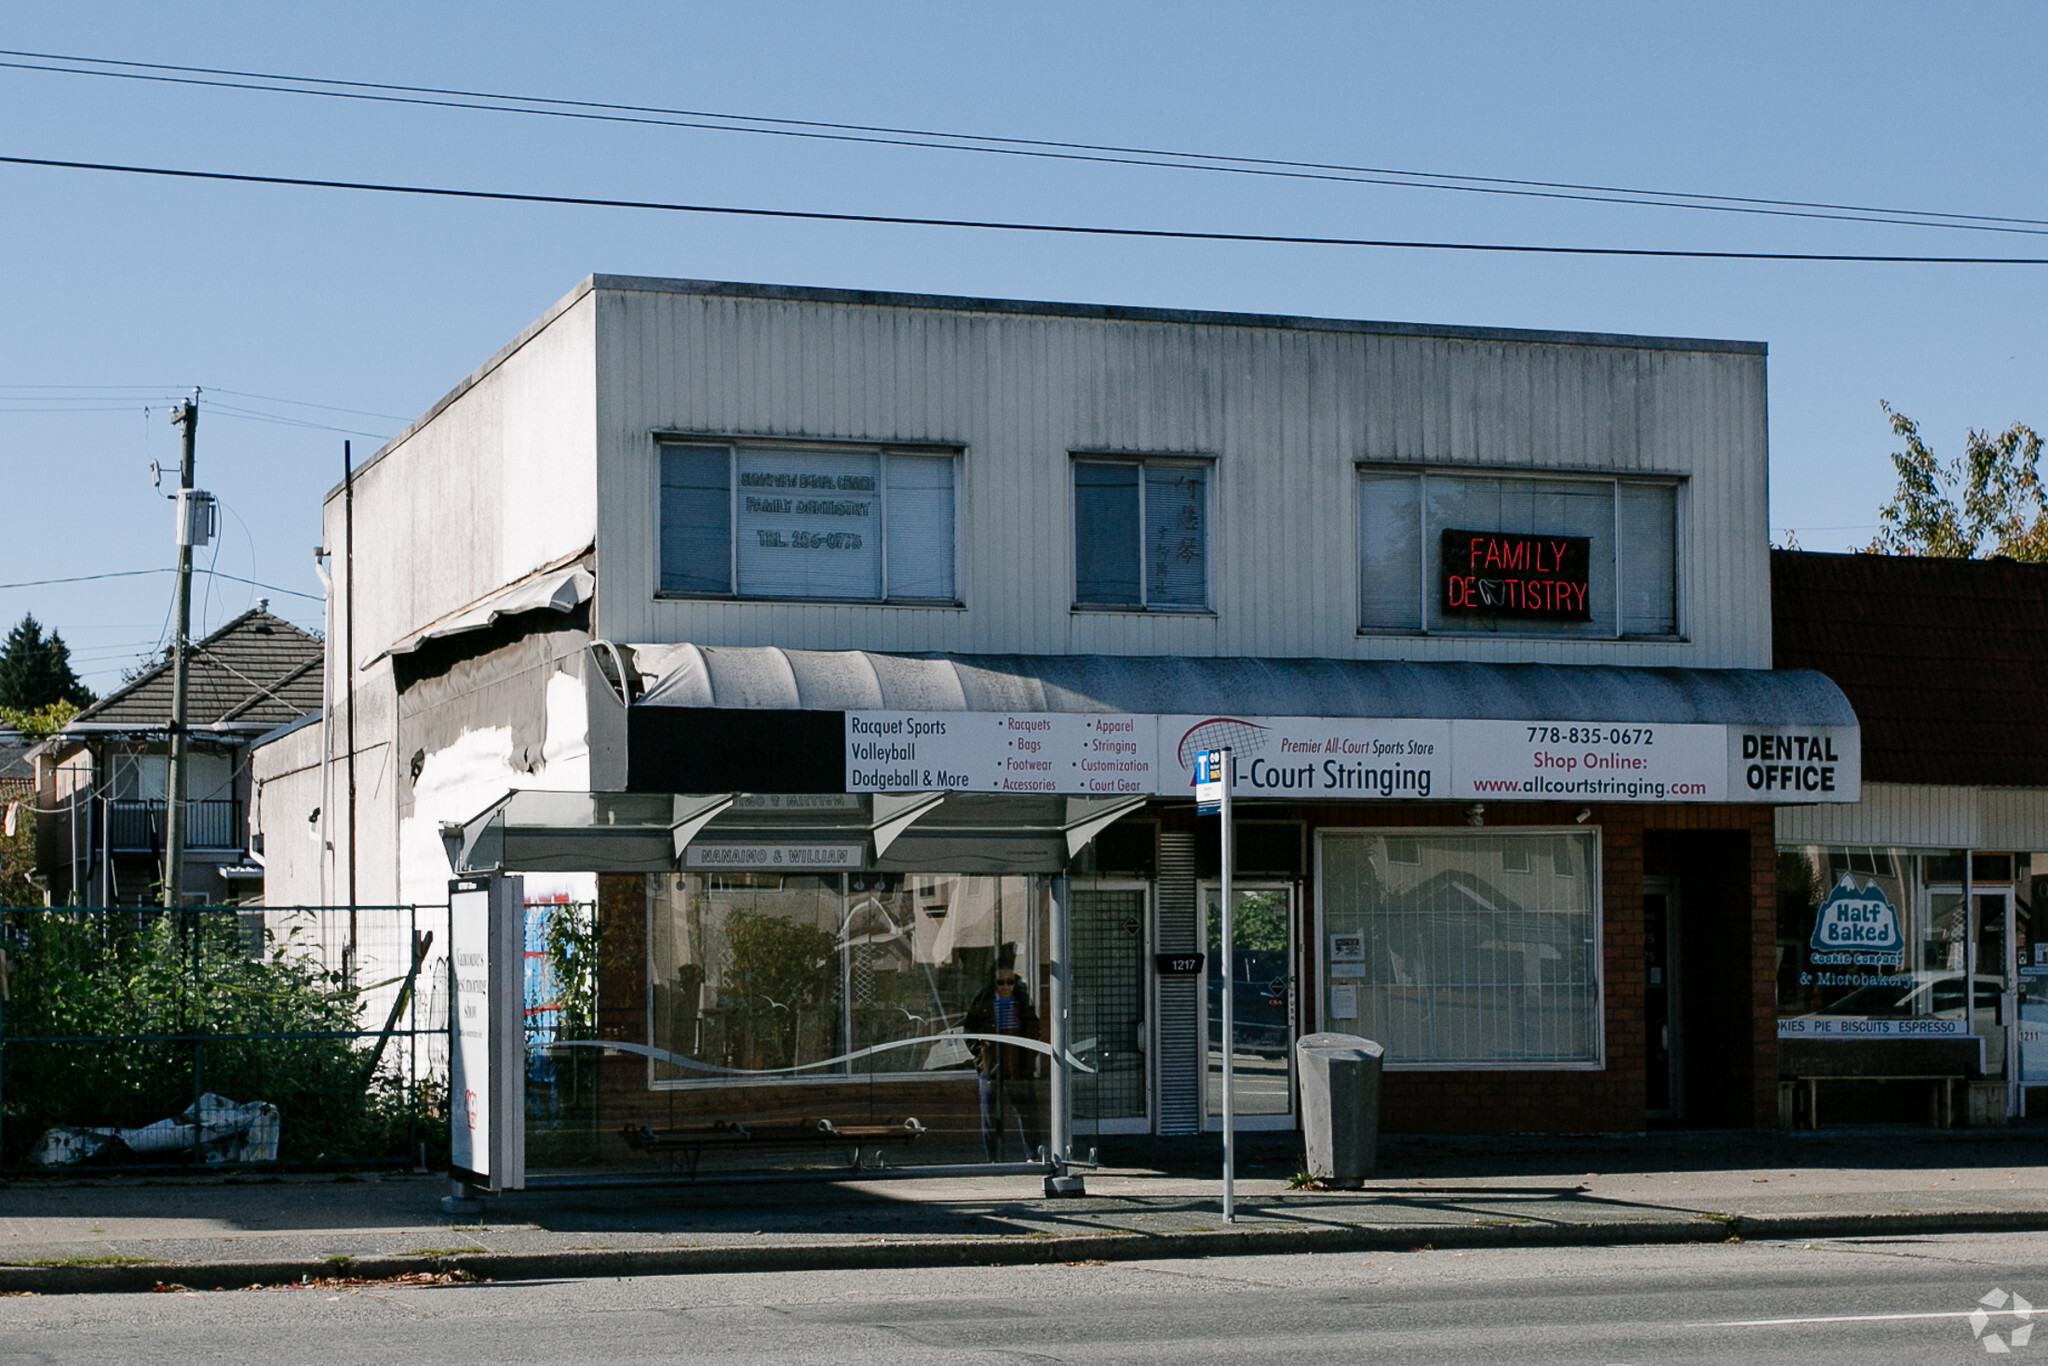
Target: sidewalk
<point>129,1233</point>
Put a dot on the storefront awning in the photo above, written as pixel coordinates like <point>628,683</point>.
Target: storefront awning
<point>766,719</point>
<point>560,590</point>
<point>769,677</point>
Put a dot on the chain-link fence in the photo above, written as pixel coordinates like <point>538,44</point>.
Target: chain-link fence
<point>134,1036</point>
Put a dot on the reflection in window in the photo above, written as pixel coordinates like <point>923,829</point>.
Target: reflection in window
<point>833,976</point>
<point>1451,956</point>
<point>852,524</point>
<point>1631,527</point>
<point>1924,978</point>
<point>1141,534</point>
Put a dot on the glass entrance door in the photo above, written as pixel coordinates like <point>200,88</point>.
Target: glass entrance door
<point>1261,983</point>
<point>2030,1014</point>
<point>1106,945</point>
<point>1992,1001</point>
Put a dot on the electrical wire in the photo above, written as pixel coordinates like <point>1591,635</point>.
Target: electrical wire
<point>1044,148</point>
<point>301,403</point>
<point>227,410</point>
<point>134,573</point>
<point>1001,225</point>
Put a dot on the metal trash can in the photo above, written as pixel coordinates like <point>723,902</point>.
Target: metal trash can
<point>1340,1106</point>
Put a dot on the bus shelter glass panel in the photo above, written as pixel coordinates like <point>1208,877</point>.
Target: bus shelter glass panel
<point>1464,948</point>
<point>901,1010</point>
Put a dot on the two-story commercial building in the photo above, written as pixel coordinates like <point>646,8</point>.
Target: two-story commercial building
<point>852,651</point>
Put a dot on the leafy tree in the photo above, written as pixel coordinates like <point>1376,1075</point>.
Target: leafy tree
<point>34,671</point>
<point>39,722</point>
<point>1987,501</point>
<point>17,856</point>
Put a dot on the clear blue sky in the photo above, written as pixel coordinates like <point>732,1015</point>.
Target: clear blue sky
<point>381,304</point>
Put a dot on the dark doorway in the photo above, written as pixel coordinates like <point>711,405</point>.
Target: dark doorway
<point>1663,1001</point>
<point>1700,1059</point>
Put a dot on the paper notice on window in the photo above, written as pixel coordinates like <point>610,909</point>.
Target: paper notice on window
<point>1343,1003</point>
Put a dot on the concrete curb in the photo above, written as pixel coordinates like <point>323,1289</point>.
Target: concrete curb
<point>1021,1250</point>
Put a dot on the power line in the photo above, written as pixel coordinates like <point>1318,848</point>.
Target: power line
<point>1046,148</point>
<point>301,403</point>
<point>999,225</point>
<point>136,393</point>
<point>136,573</point>
<point>226,410</point>
<point>84,578</point>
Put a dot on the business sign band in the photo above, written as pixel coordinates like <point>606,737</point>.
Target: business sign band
<point>1350,758</point>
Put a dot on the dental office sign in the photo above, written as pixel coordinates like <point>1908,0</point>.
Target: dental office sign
<point>1347,758</point>
<point>1520,577</point>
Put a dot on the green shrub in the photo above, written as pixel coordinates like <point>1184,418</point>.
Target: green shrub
<point>120,1019</point>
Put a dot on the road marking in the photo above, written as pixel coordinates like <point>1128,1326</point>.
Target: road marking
<point>1851,1318</point>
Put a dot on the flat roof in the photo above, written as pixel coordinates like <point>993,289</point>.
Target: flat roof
<point>875,298</point>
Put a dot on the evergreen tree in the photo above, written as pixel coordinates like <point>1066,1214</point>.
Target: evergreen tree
<point>34,671</point>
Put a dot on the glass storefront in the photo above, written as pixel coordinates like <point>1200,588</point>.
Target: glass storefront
<point>1877,942</point>
<point>1464,948</point>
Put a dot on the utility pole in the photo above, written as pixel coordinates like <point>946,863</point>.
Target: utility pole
<point>194,527</point>
<point>348,666</point>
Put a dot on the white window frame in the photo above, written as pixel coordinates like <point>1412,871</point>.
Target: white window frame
<point>1680,548</point>
<point>1599,881</point>
<point>734,445</point>
<point>1143,462</point>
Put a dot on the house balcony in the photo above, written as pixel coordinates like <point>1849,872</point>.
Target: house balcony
<point>138,827</point>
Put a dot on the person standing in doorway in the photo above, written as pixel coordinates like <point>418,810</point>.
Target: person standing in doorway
<point>1007,1076</point>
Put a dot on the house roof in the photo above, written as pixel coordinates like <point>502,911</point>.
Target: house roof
<point>1945,660</point>
<point>255,673</point>
<point>14,762</point>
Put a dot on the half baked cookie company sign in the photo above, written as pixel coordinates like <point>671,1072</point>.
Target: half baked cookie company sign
<point>1859,924</point>
<point>1517,575</point>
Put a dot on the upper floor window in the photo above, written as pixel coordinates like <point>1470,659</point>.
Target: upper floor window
<point>1534,555</point>
<point>849,523</point>
<point>1141,533</point>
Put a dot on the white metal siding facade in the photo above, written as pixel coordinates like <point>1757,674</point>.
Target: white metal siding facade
<point>1917,816</point>
<point>1286,409</point>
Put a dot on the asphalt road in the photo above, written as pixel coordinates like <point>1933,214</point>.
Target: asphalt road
<point>1865,1301</point>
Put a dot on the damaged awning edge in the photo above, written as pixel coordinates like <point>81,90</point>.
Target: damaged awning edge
<point>561,589</point>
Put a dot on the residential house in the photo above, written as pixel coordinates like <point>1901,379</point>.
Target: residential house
<point>101,782</point>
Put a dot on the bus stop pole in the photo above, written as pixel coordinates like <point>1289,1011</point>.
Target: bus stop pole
<point>1229,1005</point>
<point>1057,1007</point>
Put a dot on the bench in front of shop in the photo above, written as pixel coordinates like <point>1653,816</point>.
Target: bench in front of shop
<point>1944,1064</point>
<point>693,1141</point>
